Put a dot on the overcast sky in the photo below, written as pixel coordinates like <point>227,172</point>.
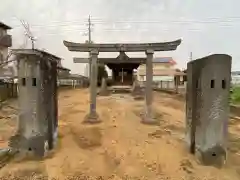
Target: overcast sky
<point>205,26</point>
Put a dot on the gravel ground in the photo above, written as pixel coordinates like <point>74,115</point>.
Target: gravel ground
<point>120,147</point>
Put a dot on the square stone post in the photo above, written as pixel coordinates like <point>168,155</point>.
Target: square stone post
<point>37,75</point>
<point>148,119</point>
<point>93,117</point>
<point>177,78</point>
<point>90,67</point>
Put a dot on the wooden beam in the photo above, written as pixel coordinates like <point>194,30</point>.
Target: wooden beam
<point>141,47</point>
<point>111,60</point>
<point>80,60</point>
<point>125,61</point>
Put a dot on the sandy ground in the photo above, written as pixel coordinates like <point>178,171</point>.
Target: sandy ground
<point>120,147</point>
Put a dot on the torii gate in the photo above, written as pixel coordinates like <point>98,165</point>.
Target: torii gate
<point>94,50</point>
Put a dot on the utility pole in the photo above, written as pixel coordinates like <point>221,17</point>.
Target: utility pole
<point>89,30</point>
<point>190,56</point>
<point>89,41</point>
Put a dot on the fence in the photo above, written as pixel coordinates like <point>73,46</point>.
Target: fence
<point>8,90</point>
<point>170,88</point>
<point>167,86</point>
<point>72,83</point>
<point>164,85</point>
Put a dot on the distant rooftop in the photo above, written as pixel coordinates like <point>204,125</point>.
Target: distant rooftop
<point>4,26</point>
<point>164,60</point>
<point>63,68</point>
<point>235,72</point>
<point>36,52</point>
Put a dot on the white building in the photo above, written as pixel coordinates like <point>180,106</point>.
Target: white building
<point>235,75</point>
<point>5,43</point>
<point>86,70</point>
<point>163,69</point>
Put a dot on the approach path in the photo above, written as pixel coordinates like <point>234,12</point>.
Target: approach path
<point>121,147</point>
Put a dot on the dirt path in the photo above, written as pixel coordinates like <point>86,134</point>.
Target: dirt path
<point>121,147</point>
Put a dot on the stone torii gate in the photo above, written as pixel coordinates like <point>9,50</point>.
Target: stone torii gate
<point>94,49</point>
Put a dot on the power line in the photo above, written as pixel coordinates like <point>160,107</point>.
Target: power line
<point>109,21</point>
<point>122,30</point>
<point>125,29</point>
<point>210,20</point>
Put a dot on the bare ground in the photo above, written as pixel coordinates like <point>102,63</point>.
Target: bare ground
<point>120,147</point>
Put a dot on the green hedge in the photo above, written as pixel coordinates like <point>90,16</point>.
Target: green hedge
<point>235,95</point>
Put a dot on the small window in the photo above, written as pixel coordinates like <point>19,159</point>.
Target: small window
<point>223,84</point>
<point>34,82</point>
<point>197,84</point>
<point>212,83</point>
<point>23,81</point>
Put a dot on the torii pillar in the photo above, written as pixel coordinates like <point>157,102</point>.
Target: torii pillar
<point>147,118</point>
<point>92,116</point>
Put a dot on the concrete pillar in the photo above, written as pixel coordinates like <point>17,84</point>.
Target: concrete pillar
<point>37,76</point>
<point>177,78</point>
<point>148,119</point>
<point>207,108</point>
<point>93,117</point>
<point>90,67</point>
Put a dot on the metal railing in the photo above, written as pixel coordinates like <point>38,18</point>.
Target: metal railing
<point>167,86</point>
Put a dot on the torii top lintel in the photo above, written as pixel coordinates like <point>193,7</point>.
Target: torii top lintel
<point>141,47</point>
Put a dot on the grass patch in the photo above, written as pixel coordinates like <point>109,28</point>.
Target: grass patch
<point>235,95</point>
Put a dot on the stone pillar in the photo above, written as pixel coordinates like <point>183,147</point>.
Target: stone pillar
<point>93,117</point>
<point>89,66</point>
<point>207,107</point>
<point>37,75</point>
<point>148,119</point>
<point>177,78</point>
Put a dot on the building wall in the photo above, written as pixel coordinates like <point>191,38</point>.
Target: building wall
<point>86,70</point>
<point>3,32</point>
<point>156,67</point>
<point>158,78</point>
<point>235,79</point>
<point>3,50</point>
